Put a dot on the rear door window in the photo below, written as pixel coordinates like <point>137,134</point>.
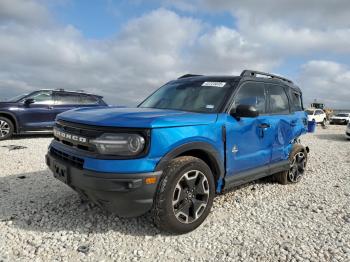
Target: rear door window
<point>251,93</point>
<point>67,99</point>
<point>278,99</point>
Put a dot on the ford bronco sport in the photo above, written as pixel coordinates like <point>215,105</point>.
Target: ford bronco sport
<point>36,112</point>
<point>190,140</point>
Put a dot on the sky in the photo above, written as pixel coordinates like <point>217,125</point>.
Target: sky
<point>124,50</point>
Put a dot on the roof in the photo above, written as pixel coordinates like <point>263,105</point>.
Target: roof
<point>70,91</point>
<point>246,74</point>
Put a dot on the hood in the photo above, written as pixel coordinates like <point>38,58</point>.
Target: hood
<point>136,117</point>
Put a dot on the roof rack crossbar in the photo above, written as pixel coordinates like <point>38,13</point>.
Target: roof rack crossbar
<point>253,73</point>
<point>188,75</point>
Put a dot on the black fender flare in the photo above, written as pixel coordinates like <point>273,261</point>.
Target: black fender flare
<point>216,162</point>
<point>12,115</point>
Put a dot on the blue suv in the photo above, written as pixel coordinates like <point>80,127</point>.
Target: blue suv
<point>191,139</point>
<point>36,112</point>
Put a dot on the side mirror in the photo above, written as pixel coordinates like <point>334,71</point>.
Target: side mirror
<point>29,101</point>
<point>244,111</point>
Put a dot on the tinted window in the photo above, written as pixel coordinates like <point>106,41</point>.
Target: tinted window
<point>196,96</point>
<point>67,99</point>
<point>41,97</point>
<point>278,100</point>
<point>89,100</point>
<point>296,102</point>
<point>251,94</point>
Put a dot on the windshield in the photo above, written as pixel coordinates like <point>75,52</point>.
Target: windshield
<point>16,98</point>
<point>309,112</point>
<point>203,97</point>
<point>342,115</point>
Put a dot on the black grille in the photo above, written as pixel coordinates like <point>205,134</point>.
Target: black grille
<point>75,161</point>
<point>339,121</point>
<point>81,131</point>
<point>90,132</point>
<point>78,129</point>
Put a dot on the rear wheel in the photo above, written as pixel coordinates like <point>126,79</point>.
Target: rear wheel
<point>298,160</point>
<point>185,195</point>
<point>6,128</point>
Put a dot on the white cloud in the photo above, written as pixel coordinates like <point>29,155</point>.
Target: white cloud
<point>285,27</point>
<point>125,69</point>
<point>29,12</point>
<point>300,13</point>
<point>226,51</point>
<point>149,51</point>
<point>326,81</point>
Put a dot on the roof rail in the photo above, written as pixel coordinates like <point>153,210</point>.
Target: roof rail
<point>188,75</point>
<point>253,73</point>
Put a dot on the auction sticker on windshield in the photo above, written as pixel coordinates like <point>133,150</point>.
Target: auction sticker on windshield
<point>217,84</point>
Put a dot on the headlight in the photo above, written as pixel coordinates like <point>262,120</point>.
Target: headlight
<point>120,144</point>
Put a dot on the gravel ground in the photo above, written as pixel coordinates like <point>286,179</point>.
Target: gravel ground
<point>41,219</point>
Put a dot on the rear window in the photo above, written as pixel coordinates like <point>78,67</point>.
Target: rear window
<point>309,112</point>
<point>89,100</point>
<point>67,99</point>
<point>296,102</point>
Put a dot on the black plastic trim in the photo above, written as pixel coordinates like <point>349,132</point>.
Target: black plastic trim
<point>127,195</point>
<point>213,154</point>
<point>255,173</point>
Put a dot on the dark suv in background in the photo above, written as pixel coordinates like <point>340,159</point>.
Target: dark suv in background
<point>36,112</point>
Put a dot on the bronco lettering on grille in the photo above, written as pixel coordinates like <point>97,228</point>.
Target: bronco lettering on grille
<point>68,136</point>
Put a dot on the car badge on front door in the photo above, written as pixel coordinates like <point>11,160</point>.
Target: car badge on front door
<point>234,149</point>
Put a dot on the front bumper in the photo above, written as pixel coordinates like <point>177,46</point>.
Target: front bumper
<point>127,195</point>
<point>347,133</point>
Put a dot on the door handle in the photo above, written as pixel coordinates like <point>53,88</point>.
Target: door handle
<point>264,125</point>
<point>50,107</point>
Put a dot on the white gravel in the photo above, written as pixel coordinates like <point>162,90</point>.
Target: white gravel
<point>41,219</point>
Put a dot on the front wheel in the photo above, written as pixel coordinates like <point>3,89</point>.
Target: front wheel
<point>185,195</point>
<point>6,128</point>
<point>297,160</point>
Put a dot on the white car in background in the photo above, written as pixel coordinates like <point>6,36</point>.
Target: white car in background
<point>340,118</point>
<point>317,115</point>
<point>347,132</point>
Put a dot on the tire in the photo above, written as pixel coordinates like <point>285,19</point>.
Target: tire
<point>184,196</point>
<point>324,122</point>
<point>297,169</point>
<point>6,128</point>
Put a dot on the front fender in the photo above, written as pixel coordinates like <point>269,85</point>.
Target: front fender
<point>206,148</point>
<point>11,116</point>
